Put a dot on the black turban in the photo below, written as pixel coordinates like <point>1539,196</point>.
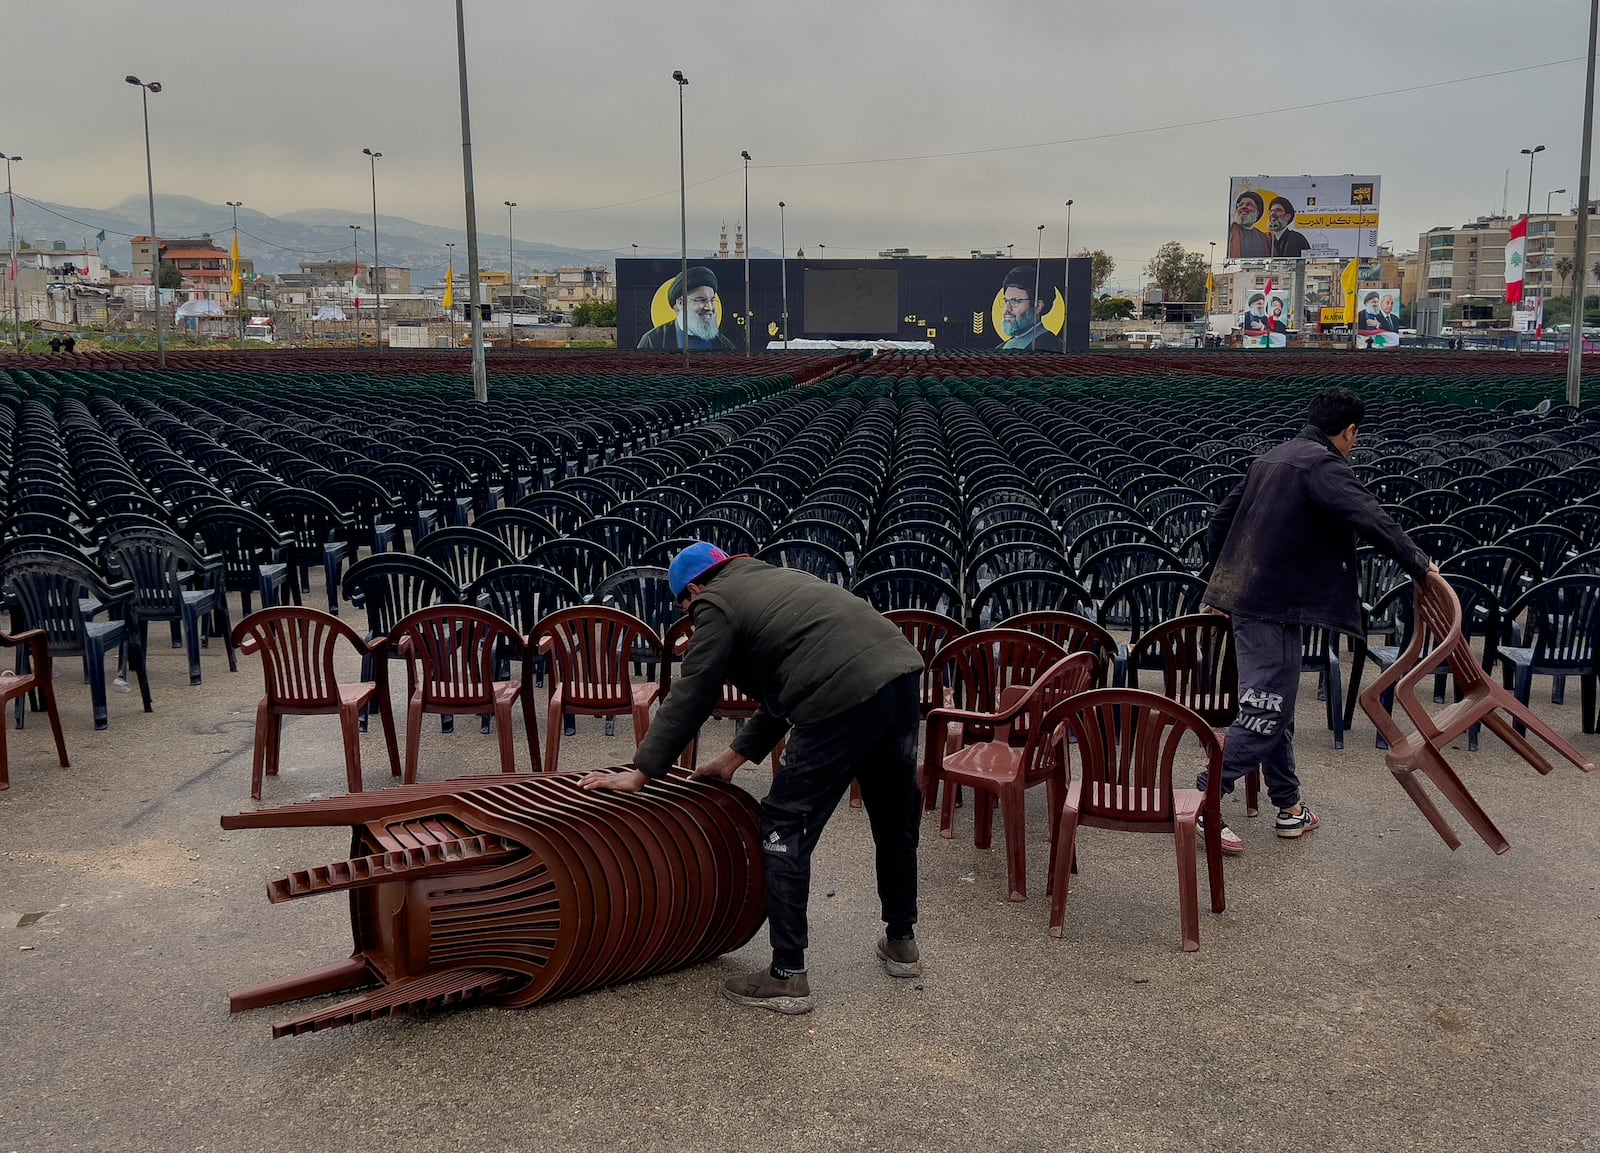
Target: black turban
<point>699,277</point>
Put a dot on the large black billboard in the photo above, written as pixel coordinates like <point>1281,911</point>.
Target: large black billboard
<point>974,304</point>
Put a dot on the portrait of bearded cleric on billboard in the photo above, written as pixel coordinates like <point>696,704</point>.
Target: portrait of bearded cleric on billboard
<point>698,309</point>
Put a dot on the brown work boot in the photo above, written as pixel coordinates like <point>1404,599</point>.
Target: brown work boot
<point>900,958</point>
<point>761,990</point>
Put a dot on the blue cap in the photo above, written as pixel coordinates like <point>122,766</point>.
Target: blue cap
<point>692,563</point>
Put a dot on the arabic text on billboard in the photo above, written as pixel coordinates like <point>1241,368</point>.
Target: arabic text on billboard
<point>1302,217</point>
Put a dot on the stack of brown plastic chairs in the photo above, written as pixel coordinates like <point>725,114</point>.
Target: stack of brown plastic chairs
<point>520,890</point>
<point>1437,643</point>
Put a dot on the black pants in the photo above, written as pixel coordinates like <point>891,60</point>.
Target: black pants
<point>874,743</point>
<point>1268,653</point>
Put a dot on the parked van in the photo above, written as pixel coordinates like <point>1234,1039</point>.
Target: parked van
<point>1143,339</point>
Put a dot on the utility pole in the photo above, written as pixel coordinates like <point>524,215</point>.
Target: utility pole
<point>1580,254</point>
<point>480,383</point>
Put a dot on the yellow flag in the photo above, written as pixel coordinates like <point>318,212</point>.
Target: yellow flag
<point>449,287</point>
<point>237,287</point>
<point>1348,282</point>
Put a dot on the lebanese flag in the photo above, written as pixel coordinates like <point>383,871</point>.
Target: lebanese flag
<point>1538,320</point>
<point>1516,257</point>
<point>1267,291</point>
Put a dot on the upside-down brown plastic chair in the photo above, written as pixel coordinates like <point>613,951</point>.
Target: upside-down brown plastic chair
<point>734,705</point>
<point>1437,640</point>
<point>1198,670</point>
<point>1127,744</point>
<point>14,686</point>
<point>592,649</point>
<point>517,890</point>
<point>451,652</point>
<point>976,668</point>
<point>999,771</point>
<point>297,647</point>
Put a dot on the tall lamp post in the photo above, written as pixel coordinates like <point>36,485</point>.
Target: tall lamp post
<point>355,277</point>
<point>1211,281</point>
<point>1544,260</point>
<point>11,269</point>
<point>749,313</point>
<point>377,282</point>
<point>683,223</point>
<point>1038,264</point>
<point>1066,278</point>
<point>450,264</point>
<point>1527,213</point>
<point>150,187</point>
<point>235,205</point>
<point>783,270</point>
<point>511,269</point>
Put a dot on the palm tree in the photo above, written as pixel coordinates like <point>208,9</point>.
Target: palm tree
<point>1564,269</point>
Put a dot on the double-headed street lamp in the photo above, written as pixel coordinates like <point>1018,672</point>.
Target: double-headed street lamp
<point>150,186</point>
<point>511,270</point>
<point>1549,231</point>
<point>377,283</point>
<point>11,269</point>
<point>1530,153</point>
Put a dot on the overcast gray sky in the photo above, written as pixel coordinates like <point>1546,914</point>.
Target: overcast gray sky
<point>575,112</point>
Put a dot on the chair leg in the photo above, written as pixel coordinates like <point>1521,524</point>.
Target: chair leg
<point>96,657</point>
<point>47,690</point>
<point>1184,836</point>
<point>274,743</point>
<point>386,719</point>
<point>191,629</point>
<point>947,810</point>
<point>982,818</point>
<point>552,733</point>
<point>5,771</point>
<point>1066,839</point>
<point>1252,793</point>
<point>508,742</point>
<point>258,755</point>
<point>413,738</point>
<point>530,724</point>
<point>1335,696</point>
<point>1013,814</point>
<point>350,727</point>
<point>366,675</point>
<point>1407,777</point>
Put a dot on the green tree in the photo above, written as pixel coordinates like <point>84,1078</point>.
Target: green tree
<point>1565,267</point>
<point>595,314</point>
<point>1113,308</point>
<point>1180,275</point>
<point>170,277</point>
<point>1103,265</point>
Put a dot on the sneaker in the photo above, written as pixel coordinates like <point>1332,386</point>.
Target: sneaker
<point>1232,842</point>
<point>900,958</point>
<point>1296,824</point>
<point>761,990</point>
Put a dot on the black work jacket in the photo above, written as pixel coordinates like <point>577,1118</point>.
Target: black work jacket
<point>806,649</point>
<point>1284,540</point>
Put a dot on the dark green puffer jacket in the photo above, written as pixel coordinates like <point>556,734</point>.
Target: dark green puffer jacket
<point>806,649</point>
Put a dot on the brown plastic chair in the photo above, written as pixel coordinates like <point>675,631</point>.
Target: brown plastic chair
<point>999,771</point>
<point>592,649</point>
<point>1127,745</point>
<point>734,705</point>
<point>975,669</point>
<point>451,652</point>
<point>38,677</point>
<point>297,647</point>
<point>928,632</point>
<point>1437,641</point>
<point>1074,633</point>
<point>1199,671</point>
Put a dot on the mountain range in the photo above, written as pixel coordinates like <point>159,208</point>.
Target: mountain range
<point>278,244</point>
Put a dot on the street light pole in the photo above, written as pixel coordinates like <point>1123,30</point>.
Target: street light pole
<point>683,224</point>
<point>377,282</point>
<point>511,269</point>
<point>1211,281</point>
<point>783,270</point>
<point>1066,279</point>
<point>1580,248</point>
<point>235,205</point>
<point>749,313</point>
<point>450,264</point>
<point>1527,215</point>
<point>1038,264</point>
<point>355,277</point>
<point>480,383</point>
<point>1544,259</point>
<point>150,188</point>
<point>11,269</point>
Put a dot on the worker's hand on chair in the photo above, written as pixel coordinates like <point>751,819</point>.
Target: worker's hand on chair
<point>627,780</point>
<point>722,767</point>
